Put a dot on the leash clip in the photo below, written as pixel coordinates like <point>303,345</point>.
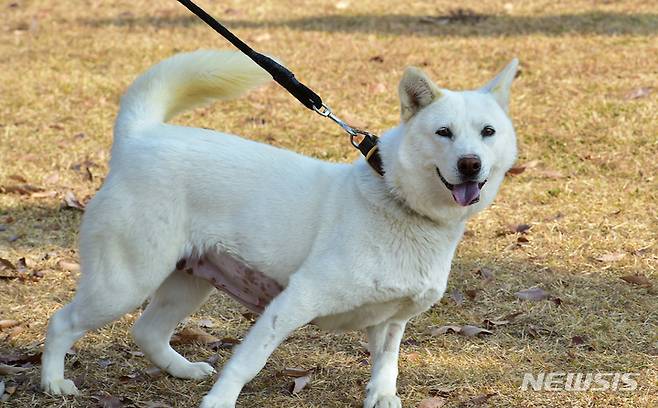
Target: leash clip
<point>355,134</point>
<point>363,141</point>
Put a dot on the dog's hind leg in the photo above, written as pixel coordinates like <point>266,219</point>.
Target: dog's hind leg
<point>87,311</point>
<point>177,297</point>
<point>110,286</point>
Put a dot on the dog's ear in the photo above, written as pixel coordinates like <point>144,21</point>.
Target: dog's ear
<point>416,91</point>
<point>499,87</point>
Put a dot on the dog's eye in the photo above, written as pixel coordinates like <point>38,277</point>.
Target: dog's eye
<point>444,132</point>
<point>488,131</point>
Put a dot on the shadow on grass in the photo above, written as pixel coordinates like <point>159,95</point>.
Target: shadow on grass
<point>606,313</point>
<point>458,25</point>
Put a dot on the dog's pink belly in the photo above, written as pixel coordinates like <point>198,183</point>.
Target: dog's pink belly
<point>246,285</point>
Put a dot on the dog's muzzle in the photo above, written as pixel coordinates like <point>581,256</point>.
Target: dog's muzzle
<point>466,193</point>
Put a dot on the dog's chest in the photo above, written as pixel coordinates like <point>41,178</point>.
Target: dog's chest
<point>362,316</point>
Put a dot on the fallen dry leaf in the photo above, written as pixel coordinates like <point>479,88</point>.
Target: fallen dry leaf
<point>611,257</point>
<point>515,170</point>
<point>490,324</point>
<point>130,377</point>
<point>522,167</point>
<point>225,343</point>
<point>445,329</point>
<point>10,388</point>
<point>18,178</point>
<point>153,372</point>
<point>296,372</point>
<point>104,362</point>
<point>299,384</point>
<point>640,280</point>
<point>520,228</point>
<point>536,331</point>
<point>434,402</point>
<point>68,266</point>
<point>413,356</point>
<point>190,335</point>
<point>410,342</point>
<point>581,341</point>
<point>108,401</point>
<point>457,297</point>
<point>14,331</point>
<point>512,316</point>
<point>20,359</point>
<point>7,323</point>
<point>71,201</point>
<point>472,331</point>
<point>532,294</point>
<point>10,370</point>
<point>514,229</point>
<point>21,265</point>
<point>44,194</point>
<point>638,93</point>
<point>212,360</point>
<point>15,238</point>
<point>577,340</point>
<point>88,175</point>
<point>466,330</point>
<point>486,274</point>
<point>22,189</point>
<point>205,323</point>
<point>439,391</point>
<point>6,264</point>
<point>471,293</point>
<point>479,400</point>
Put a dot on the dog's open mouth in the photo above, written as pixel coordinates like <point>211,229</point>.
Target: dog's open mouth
<point>466,193</point>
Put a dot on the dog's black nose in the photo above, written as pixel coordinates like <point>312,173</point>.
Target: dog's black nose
<point>469,166</point>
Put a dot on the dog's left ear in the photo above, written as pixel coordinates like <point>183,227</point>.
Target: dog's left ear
<point>499,87</point>
<point>416,91</point>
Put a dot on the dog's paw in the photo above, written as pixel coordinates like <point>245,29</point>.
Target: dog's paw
<point>61,386</point>
<point>214,402</point>
<point>382,401</point>
<point>191,371</point>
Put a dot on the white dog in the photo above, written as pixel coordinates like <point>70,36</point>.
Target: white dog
<point>304,241</point>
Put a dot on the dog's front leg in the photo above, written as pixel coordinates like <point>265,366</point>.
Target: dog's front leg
<point>293,308</point>
<point>384,345</point>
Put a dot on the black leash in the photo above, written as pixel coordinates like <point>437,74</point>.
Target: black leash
<point>364,141</point>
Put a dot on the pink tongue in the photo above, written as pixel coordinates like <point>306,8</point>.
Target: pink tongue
<point>465,193</point>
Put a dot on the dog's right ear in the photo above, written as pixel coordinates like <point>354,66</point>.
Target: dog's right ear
<point>416,91</point>
<point>499,87</point>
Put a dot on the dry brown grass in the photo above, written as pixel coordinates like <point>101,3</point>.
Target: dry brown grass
<point>63,66</point>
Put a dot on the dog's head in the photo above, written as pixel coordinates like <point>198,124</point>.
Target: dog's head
<point>452,149</point>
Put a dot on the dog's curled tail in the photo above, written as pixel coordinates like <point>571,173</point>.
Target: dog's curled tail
<point>185,81</point>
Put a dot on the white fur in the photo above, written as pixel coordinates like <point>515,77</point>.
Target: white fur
<point>353,250</point>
